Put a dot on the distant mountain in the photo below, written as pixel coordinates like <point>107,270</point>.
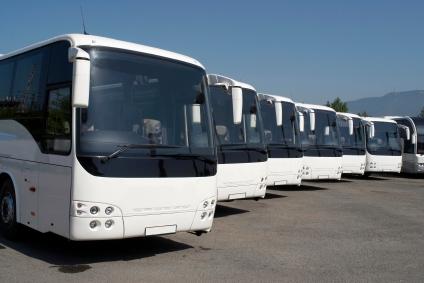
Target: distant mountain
<point>408,103</point>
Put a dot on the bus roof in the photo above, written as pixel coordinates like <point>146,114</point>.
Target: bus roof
<point>351,115</point>
<point>378,119</point>
<point>92,40</point>
<point>215,79</point>
<point>276,97</point>
<point>315,107</point>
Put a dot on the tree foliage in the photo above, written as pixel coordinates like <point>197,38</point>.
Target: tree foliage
<point>338,105</point>
<point>421,113</point>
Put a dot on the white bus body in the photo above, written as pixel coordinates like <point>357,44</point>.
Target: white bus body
<point>322,152</point>
<point>281,132</point>
<point>123,146</point>
<point>242,155</point>
<point>352,138</point>
<point>413,148</point>
<point>383,146</point>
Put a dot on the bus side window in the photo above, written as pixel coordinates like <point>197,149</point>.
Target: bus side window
<point>58,124</point>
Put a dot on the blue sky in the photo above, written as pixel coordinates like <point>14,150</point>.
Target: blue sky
<point>311,51</point>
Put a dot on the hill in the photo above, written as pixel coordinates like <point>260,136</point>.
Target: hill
<point>408,103</point>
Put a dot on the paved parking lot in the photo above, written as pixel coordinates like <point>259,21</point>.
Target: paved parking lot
<point>353,230</point>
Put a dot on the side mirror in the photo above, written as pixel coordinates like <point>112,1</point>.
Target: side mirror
<point>327,130</point>
<point>413,139</point>
<point>237,96</point>
<point>80,76</point>
<point>371,131</point>
<point>405,132</point>
<point>278,113</point>
<point>196,115</point>
<point>312,120</point>
<point>301,122</point>
<point>350,122</point>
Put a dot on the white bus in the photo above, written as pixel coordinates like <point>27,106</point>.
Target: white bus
<point>413,147</point>
<point>322,152</point>
<point>242,155</point>
<point>283,140</point>
<point>352,139</point>
<point>384,153</point>
<point>104,139</point>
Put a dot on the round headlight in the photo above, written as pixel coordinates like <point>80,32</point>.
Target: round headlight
<point>94,210</point>
<point>205,204</point>
<point>109,210</point>
<point>109,223</point>
<point>93,224</point>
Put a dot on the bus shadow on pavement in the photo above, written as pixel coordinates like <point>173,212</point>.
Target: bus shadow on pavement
<point>300,188</point>
<point>273,196</point>
<point>224,211</point>
<point>75,257</point>
<point>367,178</point>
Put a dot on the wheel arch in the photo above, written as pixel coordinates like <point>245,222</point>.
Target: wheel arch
<point>4,176</point>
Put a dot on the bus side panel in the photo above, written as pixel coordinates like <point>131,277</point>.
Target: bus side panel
<point>54,198</point>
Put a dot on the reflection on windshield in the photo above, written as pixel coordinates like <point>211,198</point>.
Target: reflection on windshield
<point>326,132</point>
<point>142,100</point>
<point>419,124</point>
<point>286,134</point>
<point>249,131</point>
<point>386,140</point>
<point>357,140</point>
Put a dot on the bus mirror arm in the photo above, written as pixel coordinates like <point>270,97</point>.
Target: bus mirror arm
<point>312,120</point>
<point>237,97</point>
<point>405,132</point>
<point>278,113</point>
<point>80,76</point>
<point>301,122</point>
<point>350,122</point>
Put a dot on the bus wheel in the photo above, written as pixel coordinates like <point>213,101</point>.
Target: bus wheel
<point>8,225</point>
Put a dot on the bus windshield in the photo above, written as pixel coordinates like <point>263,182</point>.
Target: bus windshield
<point>326,132</point>
<point>355,141</point>
<point>419,124</point>
<point>287,134</point>
<point>386,140</point>
<point>148,104</point>
<point>246,134</point>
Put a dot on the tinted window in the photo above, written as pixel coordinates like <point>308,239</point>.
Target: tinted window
<point>386,140</point>
<point>408,147</point>
<point>6,76</point>
<point>286,134</point>
<point>57,138</point>
<point>419,124</point>
<point>143,100</point>
<point>357,139</point>
<point>60,69</point>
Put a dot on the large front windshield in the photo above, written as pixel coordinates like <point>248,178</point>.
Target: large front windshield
<point>419,124</point>
<point>357,140</point>
<point>158,106</point>
<point>249,131</point>
<point>326,132</point>
<point>386,140</point>
<point>286,134</point>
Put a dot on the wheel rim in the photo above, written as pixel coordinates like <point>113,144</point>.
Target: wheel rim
<point>7,208</point>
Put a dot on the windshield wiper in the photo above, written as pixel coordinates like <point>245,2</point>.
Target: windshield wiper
<point>125,147</point>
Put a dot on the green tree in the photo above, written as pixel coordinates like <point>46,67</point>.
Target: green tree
<point>421,113</point>
<point>363,114</point>
<point>338,105</point>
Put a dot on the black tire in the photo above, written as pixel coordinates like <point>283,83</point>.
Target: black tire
<point>9,227</point>
<point>367,174</point>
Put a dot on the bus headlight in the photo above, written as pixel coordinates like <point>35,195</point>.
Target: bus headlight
<point>203,215</point>
<point>205,204</point>
<point>94,210</point>
<point>109,223</point>
<point>108,210</point>
<point>94,224</point>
